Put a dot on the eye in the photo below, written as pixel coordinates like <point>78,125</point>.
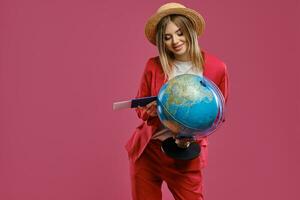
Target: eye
<point>179,33</point>
<point>167,37</point>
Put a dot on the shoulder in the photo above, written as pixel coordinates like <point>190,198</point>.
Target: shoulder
<point>153,64</point>
<point>213,63</point>
<point>154,61</point>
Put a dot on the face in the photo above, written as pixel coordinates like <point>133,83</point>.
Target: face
<point>175,41</point>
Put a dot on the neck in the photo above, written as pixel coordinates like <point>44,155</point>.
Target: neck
<point>183,57</point>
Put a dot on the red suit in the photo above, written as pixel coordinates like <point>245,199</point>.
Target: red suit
<point>145,154</point>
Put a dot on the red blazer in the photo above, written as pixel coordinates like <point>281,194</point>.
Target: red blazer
<point>152,80</point>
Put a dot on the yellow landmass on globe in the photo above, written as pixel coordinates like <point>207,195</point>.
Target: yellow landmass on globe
<point>184,92</point>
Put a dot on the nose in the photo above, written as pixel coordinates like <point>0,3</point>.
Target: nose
<point>175,39</point>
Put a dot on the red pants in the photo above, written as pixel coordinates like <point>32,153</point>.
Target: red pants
<point>183,178</point>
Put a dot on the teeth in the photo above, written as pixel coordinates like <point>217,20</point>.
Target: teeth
<point>178,47</point>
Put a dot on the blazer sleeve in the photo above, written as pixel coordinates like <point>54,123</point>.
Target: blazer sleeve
<point>224,84</point>
<point>145,90</point>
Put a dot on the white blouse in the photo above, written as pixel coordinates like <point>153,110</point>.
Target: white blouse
<point>184,67</point>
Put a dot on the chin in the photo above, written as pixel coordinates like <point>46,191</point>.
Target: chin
<point>180,53</point>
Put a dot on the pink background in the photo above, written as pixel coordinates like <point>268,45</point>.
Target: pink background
<point>63,63</point>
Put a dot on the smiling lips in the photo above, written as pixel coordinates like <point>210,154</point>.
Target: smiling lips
<point>178,47</point>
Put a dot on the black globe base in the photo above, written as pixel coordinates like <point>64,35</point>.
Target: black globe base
<point>170,148</point>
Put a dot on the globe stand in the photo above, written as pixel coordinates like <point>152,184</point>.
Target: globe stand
<point>181,148</point>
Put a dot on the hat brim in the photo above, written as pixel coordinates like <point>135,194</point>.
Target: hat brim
<point>193,16</point>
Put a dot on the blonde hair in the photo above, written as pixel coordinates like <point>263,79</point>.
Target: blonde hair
<point>166,57</point>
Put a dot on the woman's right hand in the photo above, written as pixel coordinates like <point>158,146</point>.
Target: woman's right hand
<point>150,108</point>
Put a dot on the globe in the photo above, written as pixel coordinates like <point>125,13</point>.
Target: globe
<point>190,105</point>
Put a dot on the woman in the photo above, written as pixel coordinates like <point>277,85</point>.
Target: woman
<point>174,30</point>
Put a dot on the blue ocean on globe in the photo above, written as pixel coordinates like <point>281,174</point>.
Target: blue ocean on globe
<point>190,104</point>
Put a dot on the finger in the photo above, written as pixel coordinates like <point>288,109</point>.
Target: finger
<point>150,110</point>
<point>150,104</point>
<point>140,108</point>
<point>153,111</point>
<point>153,114</point>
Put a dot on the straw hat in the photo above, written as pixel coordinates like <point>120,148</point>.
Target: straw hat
<point>169,9</point>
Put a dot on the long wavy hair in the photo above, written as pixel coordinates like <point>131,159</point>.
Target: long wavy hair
<point>166,57</point>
